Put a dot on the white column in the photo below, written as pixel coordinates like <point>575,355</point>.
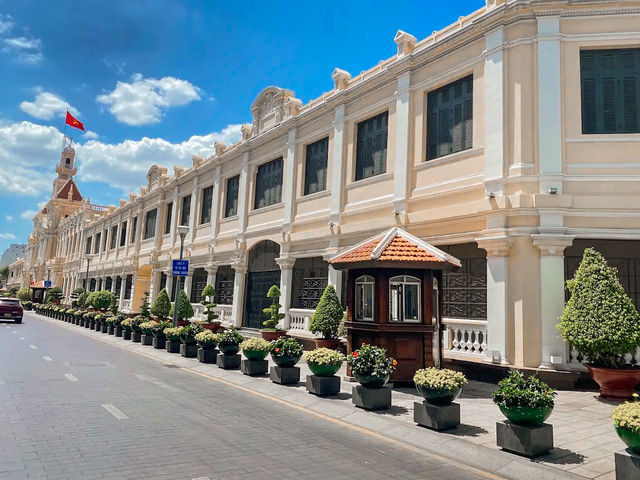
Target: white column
<point>243,197</point>
<point>123,285</point>
<point>155,284</point>
<point>188,280</point>
<point>494,111</point>
<point>169,285</point>
<point>211,274</point>
<point>174,219</point>
<point>215,212</point>
<point>549,104</point>
<point>239,284</point>
<point>335,279</point>
<point>286,285</point>
<point>497,315</point>
<point>337,169</point>
<point>289,193</point>
<point>401,163</point>
<point>194,213</point>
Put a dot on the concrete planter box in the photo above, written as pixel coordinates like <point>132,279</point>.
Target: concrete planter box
<point>371,398</point>
<point>323,386</point>
<point>97,326</point>
<point>104,328</point>
<point>158,342</point>
<point>126,334</point>
<point>136,337</point>
<point>627,464</point>
<point>189,351</point>
<point>524,440</point>
<point>227,361</point>
<point>172,346</point>
<point>436,417</point>
<point>146,339</point>
<point>284,375</point>
<point>207,356</point>
<point>111,330</point>
<point>118,331</point>
<point>254,367</point>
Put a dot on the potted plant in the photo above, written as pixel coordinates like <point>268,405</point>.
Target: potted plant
<point>185,310</point>
<point>111,325</point>
<point>271,331</point>
<point>324,362</point>
<point>188,347</point>
<point>602,324</point>
<point>370,366</point>
<point>255,348</point>
<point>157,330</point>
<point>172,335</point>
<point>162,305</point>
<point>439,386</point>
<point>327,318</point>
<point>126,328</point>
<point>626,420</point>
<point>90,320</point>
<point>147,331</point>
<point>207,341</point>
<point>208,294</point>
<point>135,323</point>
<point>286,351</point>
<point>229,341</point>
<point>524,400</point>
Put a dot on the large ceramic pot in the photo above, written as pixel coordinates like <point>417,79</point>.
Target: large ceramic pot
<point>331,343</point>
<point>526,415</point>
<point>371,381</point>
<point>188,339</point>
<point>213,326</point>
<point>323,370</point>
<point>438,396</point>
<point>207,346</point>
<point>630,438</point>
<point>229,349</point>
<point>615,383</point>
<point>255,354</point>
<point>271,335</point>
<point>285,362</point>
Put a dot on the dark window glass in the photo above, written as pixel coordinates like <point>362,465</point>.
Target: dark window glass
<point>88,249</point>
<point>198,283</point>
<point>371,148</point>
<point>465,291</point>
<point>310,277</point>
<point>108,283</point>
<point>186,210</point>
<point>123,234</point>
<point>167,222</point>
<point>224,285</point>
<point>118,286</point>
<point>96,244</point>
<point>315,170</point>
<point>450,118</point>
<point>231,202</point>
<point>127,287</point>
<point>150,223</point>
<point>105,234</point>
<point>205,210</point>
<point>163,282</point>
<point>134,226</point>
<point>610,82</point>
<point>269,184</point>
<point>114,237</point>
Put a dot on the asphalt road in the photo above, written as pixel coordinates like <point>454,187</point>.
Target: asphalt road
<point>72,407</point>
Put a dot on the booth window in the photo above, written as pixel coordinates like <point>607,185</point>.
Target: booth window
<point>404,299</point>
<point>364,297</point>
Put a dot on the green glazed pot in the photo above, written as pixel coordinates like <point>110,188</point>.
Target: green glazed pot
<point>283,361</point>
<point>526,415</point>
<point>371,381</point>
<point>255,354</point>
<point>229,349</point>
<point>630,438</point>
<point>207,346</point>
<point>438,396</point>
<point>323,370</point>
<point>188,340</point>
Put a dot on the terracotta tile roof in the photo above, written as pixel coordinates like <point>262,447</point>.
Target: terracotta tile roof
<point>64,191</point>
<point>361,254</point>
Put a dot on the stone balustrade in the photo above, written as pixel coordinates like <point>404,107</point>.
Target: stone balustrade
<point>464,339</point>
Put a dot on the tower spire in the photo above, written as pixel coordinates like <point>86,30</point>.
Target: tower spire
<point>66,168</point>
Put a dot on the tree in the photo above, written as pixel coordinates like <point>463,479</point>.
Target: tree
<point>208,294</point>
<point>162,305</point>
<point>328,315</point>
<point>4,272</point>
<point>273,311</point>
<point>185,310</point>
<point>102,300</point>
<point>54,295</point>
<point>24,293</point>
<point>144,307</point>
<point>599,319</point>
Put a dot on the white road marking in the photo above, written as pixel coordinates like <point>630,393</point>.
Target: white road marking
<point>13,331</point>
<point>155,381</point>
<point>47,359</point>
<point>21,338</point>
<point>113,410</point>
<point>33,347</point>
<point>71,377</point>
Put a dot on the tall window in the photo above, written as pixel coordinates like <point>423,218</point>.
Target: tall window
<point>231,202</point>
<point>88,248</point>
<point>134,227</point>
<point>450,118</point>
<point>167,220</point>
<point>269,184</point>
<point>186,210</point>
<point>364,297</point>
<point>404,299</point>
<point>150,223</point>
<point>96,244</point>
<point>198,282</point>
<point>224,285</point>
<point>315,170</point>
<point>205,209</point>
<point>123,234</point>
<point>105,234</point>
<point>610,81</point>
<point>371,148</point>
<point>114,237</point>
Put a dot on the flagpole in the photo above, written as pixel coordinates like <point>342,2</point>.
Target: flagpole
<point>64,135</point>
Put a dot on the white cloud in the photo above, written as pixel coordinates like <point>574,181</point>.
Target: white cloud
<point>90,135</point>
<point>23,43</point>
<point>144,100</point>
<point>26,49</point>
<point>46,105</point>
<point>8,218</point>
<point>7,236</point>
<point>6,23</point>
<point>28,214</point>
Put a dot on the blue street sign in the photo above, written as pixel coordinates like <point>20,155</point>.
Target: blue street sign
<point>47,283</point>
<point>180,268</point>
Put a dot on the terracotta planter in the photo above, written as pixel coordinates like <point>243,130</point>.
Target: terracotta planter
<point>270,336</point>
<point>331,343</point>
<point>615,383</point>
<point>214,326</point>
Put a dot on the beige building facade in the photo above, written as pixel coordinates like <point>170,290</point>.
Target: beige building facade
<point>510,139</point>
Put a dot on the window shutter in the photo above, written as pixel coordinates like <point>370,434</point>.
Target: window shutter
<point>315,172</point>
<point>371,149</point>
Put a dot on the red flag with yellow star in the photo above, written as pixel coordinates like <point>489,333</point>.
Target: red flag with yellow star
<point>72,122</point>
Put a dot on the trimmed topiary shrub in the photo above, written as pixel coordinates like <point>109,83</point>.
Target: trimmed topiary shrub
<point>102,300</point>
<point>273,310</point>
<point>162,305</point>
<point>328,315</point>
<point>24,293</point>
<point>54,295</point>
<point>208,294</point>
<point>185,310</point>
<point>599,320</point>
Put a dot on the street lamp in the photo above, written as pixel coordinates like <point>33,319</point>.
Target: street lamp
<point>182,231</point>
<point>86,281</point>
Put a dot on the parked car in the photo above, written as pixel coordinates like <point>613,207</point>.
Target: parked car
<point>10,308</point>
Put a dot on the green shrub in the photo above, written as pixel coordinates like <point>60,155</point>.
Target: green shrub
<point>191,330</point>
<point>162,305</point>
<point>370,360</point>
<point>273,311</point>
<point>136,321</point>
<point>439,379</point>
<point>173,333</point>
<point>518,391</point>
<point>328,315</point>
<point>208,294</point>
<point>286,347</point>
<point>230,337</point>
<point>185,310</point>
<point>126,324</point>
<point>599,320</point>
<point>206,337</point>
<point>147,327</point>
<point>24,293</point>
<point>54,295</point>
<point>90,298</point>
<point>324,356</point>
<point>255,345</point>
<point>144,306</point>
<point>102,300</point>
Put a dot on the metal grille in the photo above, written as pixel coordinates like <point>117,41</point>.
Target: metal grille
<point>465,291</point>
<point>312,289</point>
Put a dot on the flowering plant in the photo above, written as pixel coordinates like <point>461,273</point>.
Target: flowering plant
<point>172,333</point>
<point>147,327</point>
<point>158,327</point>
<point>230,337</point>
<point>627,416</point>
<point>324,356</point>
<point>255,345</point>
<point>191,330</point>
<point>518,391</point>
<point>370,360</point>
<point>206,337</point>
<point>126,324</point>
<point>136,322</point>
<point>439,379</point>
<point>286,347</point>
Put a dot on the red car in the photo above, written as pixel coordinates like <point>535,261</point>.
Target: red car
<point>10,308</point>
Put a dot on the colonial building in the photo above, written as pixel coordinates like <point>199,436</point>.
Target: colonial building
<point>509,140</point>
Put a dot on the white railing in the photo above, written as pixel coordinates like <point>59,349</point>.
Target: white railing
<point>198,312</point>
<point>299,319</point>
<point>579,363</point>
<point>464,339</point>
<point>224,313</point>
<point>125,305</point>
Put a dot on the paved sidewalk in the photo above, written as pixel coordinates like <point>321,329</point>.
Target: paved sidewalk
<point>583,433</point>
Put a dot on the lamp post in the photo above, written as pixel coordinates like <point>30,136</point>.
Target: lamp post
<point>86,281</point>
<point>182,231</point>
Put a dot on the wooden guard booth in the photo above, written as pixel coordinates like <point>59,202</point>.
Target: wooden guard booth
<point>393,300</point>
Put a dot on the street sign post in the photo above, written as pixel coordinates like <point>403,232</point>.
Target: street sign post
<point>180,268</point>
<point>47,284</point>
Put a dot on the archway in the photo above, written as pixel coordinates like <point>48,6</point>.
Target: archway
<point>263,272</point>
<point>142,285</point>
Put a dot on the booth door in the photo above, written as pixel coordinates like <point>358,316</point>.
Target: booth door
<point>258,285</point>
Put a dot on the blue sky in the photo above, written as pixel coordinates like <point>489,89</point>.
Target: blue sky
<point>157,81</point>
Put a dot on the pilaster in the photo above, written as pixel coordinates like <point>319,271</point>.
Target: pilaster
<point>289,193</point>
<point>193,214</point>
<point>239,285</point>
<point>400,178</point>
<point>286,284</point>
<point>243,197</point>
<point>337,168</point>
<point>494,111</point>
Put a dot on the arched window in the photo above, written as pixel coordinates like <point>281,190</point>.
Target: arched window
<point>364,297</point>
<point>67,161</point>
<point>404,299</point>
